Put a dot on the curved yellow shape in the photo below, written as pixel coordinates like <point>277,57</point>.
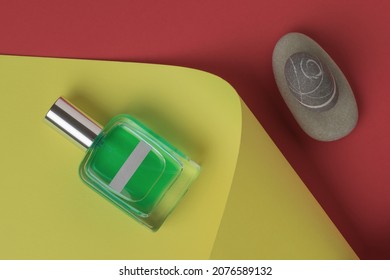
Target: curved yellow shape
<point>46,211</point>
<point>270,213</point>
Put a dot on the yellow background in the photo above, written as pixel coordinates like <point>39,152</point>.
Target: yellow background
<point>46,212</point>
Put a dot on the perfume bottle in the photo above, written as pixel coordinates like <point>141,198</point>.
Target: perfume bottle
<point>127,163</point>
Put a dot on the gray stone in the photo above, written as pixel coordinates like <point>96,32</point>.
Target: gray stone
<point>314,88</point>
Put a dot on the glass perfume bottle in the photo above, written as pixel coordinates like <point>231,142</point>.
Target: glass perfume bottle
<point>127,163</point>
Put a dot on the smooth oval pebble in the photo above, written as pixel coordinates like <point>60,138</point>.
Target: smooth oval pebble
<point>314,88</point>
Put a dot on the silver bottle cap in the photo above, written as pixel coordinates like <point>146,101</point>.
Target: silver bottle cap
<point>72,122</point>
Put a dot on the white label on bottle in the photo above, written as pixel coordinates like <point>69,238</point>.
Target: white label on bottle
<point>130,166</point>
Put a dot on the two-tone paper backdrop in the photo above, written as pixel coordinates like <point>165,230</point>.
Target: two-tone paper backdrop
<point>248,203</point>
<point>234,40</point>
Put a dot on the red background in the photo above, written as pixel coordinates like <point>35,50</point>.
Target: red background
<point>235,39</point>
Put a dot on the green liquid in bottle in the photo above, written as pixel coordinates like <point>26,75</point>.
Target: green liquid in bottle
<point>152,178</point>
<point>151,182</point>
